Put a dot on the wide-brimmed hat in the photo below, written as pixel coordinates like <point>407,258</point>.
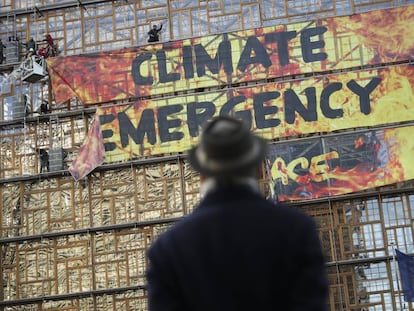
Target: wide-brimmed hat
<point>227,148</point>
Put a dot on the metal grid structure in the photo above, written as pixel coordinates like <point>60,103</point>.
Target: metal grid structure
<point>68,245</point>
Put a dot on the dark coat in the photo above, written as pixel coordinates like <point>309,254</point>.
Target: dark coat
<point>31,44</point>
<point>236,252</point>
<point>154,34</point>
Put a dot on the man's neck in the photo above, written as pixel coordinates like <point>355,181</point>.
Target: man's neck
<point>210,184</point>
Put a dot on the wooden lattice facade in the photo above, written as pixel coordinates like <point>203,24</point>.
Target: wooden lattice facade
<point>81,245</point>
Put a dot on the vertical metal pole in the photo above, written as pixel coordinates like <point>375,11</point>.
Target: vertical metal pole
<point>396,275</point>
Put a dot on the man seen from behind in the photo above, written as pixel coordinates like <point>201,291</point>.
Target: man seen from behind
<point>236,251</point>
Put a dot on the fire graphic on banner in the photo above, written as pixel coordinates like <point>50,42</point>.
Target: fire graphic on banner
<point>273,110</point>
<point>374,31</point>
<point>341,164</point>
<point>373,38</point>
<point>322,103</point>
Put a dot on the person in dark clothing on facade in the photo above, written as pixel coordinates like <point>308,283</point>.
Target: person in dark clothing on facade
<point>154,33</point>
<point>31,47</point>
<point>44,160</point>
<point>44,107</point>
<point>236,250</point>
<point>2,47</point>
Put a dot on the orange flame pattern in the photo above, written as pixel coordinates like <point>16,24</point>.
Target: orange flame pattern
<point>374,38</point>
<point>396,153</point>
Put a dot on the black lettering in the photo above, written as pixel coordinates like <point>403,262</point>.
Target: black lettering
<point>136,70</point>
<point>145,126</point>
<point>162,69</point>
<point>188,62</point>
<point>261,111</point>
<point>308,46</point>
<point>223,57</point>
<point>293,104</point>
<point>325,107</point>
<point>281,38</point>
<point>164,124</point>
<point>363,93</point>
<point>197,115</point>
<point>260,55</point>
<point>227,110</point>
<point>104,119</point>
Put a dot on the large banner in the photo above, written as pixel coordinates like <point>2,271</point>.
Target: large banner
<point>370,38</point>
<point>273,110</point>
<point>340,164</point>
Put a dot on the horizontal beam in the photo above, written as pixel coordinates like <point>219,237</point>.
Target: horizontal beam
<point>103,167</point>
<point>78,295</point>
<point>115,227</point>
<point>46,117</point>
<point>49,7</point>
<point>121,290</point>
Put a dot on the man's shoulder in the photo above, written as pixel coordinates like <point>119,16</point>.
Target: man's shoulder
<point>165,242</point>
<point>241,203</point>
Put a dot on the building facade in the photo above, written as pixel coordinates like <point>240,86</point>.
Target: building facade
<point>78,242</point>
